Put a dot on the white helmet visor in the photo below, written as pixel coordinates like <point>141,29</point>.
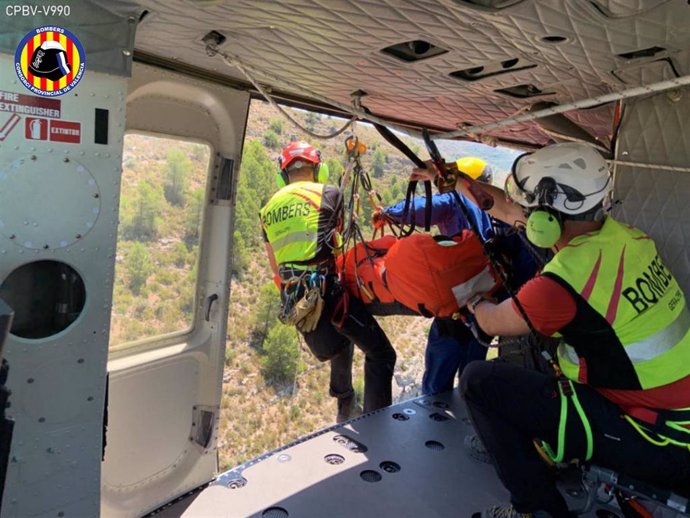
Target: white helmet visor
<point>516,192</point>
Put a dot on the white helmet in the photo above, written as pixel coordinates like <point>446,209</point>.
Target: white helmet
<point>570,178</point>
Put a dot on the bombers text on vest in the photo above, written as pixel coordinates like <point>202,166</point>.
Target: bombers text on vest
<point>300,222</point>
<point>631,329</point>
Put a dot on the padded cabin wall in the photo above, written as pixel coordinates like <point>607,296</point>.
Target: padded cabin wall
<point>657,130</point>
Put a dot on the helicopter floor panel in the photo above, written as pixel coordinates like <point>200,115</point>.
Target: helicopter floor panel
<point>407,460</point>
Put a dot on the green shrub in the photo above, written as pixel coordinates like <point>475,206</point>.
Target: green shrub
<point>230,354</point>
<point>311,119</point>
<point>139,267</point>
<point>268,307</point>
<point>177,169</point>
<point>335,169</point>
<point>193,213</point>
<point>271,139</point>
<point>358,385</point>
<point>281,355</point>
<point>277,125</point>
<point>378,164</point>
<point>143,216</point>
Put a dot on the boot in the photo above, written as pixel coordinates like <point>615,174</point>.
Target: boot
<point>347,409</point>
<point>475,449</point>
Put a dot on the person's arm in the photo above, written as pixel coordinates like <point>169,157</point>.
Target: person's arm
<point>272,262</point>
<point>548,304</point>
<point>499,319</point>
<point>441,210</point>
<point>503,209</point>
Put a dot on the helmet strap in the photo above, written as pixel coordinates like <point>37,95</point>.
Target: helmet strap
<point>596,213</point>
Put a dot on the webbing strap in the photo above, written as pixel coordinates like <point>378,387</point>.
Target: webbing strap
<point>585,423</point>
<point>562,422</point>
<point>394,141</point>
<point>664,432</point>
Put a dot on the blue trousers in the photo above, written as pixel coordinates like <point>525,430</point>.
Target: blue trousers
<point>449,348</point>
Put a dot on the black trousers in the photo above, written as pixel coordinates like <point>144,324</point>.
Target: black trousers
<point>510,406</point>
<point>332,342</point>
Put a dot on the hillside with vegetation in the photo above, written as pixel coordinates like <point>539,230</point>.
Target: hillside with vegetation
<point>274,390</point>
<point>283,391</point>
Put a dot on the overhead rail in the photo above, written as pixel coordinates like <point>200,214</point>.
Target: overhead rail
<point>355,109</point>
<point>636,91</point>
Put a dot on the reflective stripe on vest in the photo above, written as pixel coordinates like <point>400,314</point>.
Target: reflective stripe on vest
<point>291,222</point>
<point>618,273</point>
<point>649,348</point>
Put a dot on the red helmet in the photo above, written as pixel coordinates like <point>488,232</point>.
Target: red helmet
<point>298,151</point>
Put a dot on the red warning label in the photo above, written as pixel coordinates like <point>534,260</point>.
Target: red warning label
<point>23,104</point>
<point>64,131</point>
<point>36,129</point>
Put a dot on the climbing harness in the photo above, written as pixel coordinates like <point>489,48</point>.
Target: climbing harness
<point>568,396</point>
<point>302,300</point>
<point>661,427</point>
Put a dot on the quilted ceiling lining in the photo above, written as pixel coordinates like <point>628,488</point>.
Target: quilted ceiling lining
<point>332,48</point>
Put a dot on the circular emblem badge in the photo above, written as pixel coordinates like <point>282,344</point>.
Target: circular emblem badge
<point>50,61</point>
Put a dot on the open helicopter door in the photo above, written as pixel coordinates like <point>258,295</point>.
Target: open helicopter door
<point>165,392</point>
<point>651,185</point>
<point>62,99</point>
<point>61,162</point>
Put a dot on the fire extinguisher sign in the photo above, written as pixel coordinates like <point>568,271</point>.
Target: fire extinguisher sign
<point>55,131</point>
<point>36,129</point>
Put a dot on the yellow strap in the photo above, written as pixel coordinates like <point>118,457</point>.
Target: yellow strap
<point>644,434</point>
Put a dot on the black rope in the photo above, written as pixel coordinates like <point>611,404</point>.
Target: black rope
<point>394,141</point>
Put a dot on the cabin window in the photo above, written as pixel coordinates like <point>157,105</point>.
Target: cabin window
<point>161,209</point>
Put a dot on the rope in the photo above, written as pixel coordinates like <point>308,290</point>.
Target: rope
<point>357,113</point>
<point>233,62</point>
<point>556,135</point>
<point>678,169</point>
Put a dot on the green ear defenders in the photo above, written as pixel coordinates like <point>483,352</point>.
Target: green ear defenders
<point>282,178</point>
<point>321,174</point>
<point>544,227</point>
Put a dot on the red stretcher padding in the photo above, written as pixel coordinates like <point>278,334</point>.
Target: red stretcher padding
<point>429,275</point>
<point>364,281</point>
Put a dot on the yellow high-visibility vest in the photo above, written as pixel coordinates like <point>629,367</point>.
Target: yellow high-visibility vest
<point>638,336</point>
<point>291,222</point>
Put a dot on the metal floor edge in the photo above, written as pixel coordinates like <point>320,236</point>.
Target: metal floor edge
<point>407,460</point>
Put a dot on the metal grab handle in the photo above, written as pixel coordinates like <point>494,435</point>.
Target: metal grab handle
<point>209,304</point>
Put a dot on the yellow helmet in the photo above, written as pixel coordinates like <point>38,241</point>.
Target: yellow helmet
<point>475,168</point>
